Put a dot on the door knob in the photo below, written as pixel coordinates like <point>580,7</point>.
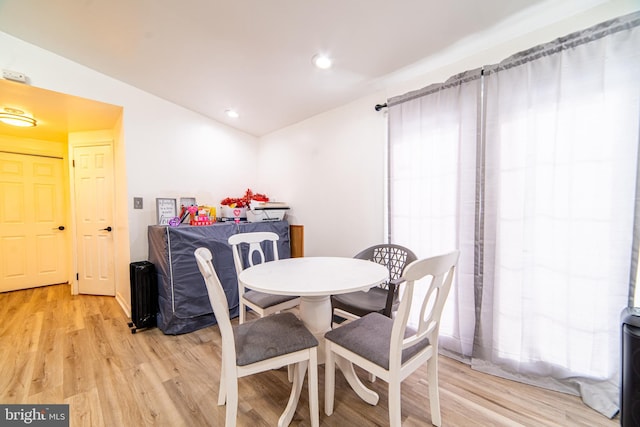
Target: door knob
<point>106,229</point>
<point>59,228</point>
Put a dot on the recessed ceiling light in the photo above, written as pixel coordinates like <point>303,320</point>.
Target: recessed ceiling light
<point>232,113</point>
<point>322,61</point>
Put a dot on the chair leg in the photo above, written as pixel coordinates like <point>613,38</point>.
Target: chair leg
<point>395,409</point>
<point>242,310</point>
<point>434,394</point>
<point>312,384</point>
<point>232,403</point>
<point>290,369</point>
<point>222,393</point>
<point>298,378</point>
<point>329,379</point>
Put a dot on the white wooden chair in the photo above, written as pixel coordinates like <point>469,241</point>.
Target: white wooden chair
<point>390,350</point>
<point>263,304</point>
<point>267,343</point>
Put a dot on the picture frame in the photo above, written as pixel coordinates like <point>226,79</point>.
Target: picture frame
<point>188,201</point>
<point>166,210</point>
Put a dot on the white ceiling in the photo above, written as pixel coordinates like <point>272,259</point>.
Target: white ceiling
<point>252,55</point>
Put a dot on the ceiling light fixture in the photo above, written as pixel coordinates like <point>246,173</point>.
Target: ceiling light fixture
<point>232,113</point>
<point>15,117</point>
<point>322,61</point>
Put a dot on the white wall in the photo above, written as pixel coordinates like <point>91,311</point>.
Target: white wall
<point>331,170</point>
<point>172,152</point>
<point>331,167</point>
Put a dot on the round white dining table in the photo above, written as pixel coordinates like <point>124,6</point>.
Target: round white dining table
<point>314,279</point>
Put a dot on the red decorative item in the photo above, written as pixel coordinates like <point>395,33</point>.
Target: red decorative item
<point>243,202</point>
<point>201,220</point>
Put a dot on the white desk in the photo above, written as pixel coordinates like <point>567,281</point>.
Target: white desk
<point>314,279</point>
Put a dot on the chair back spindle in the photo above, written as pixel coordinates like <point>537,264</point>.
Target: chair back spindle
<point>259,302</point>
<point>437,275</point>
<point>254,241</point>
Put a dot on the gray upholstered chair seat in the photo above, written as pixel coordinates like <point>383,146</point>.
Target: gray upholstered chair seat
<point>270,337</point>
<point>266,300</point>
<point>361,303</point>
<point>370,337</point>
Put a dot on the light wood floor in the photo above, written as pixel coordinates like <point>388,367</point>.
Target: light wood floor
<point>55,348</point>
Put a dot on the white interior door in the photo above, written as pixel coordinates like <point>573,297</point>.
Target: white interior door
<point>94,196</point>
<point>33,238</point>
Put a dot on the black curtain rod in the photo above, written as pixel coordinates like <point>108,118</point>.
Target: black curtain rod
<point>379,107</point>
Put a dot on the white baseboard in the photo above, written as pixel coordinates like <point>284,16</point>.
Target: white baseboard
<point>123,304</point>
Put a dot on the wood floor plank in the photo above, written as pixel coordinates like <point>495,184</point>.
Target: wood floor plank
<point>124,345</point>
<point>57,293</point>
<point>85,409</point>
<point>117,398</point>
<point>78,363</point>
<point>99,345</point>
<point>154,402</point>
<point>15,377</point>
<point>73,315</point>
<point>59,348</point>
<point>48,367</point>
<point>47,395</point>
<point>23,322</point>
<point>186,401</point>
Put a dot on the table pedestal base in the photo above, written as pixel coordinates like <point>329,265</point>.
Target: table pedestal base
<point>316,314</point>
<point>366,394</point>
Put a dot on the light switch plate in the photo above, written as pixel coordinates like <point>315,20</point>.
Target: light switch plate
<point>137,203</point>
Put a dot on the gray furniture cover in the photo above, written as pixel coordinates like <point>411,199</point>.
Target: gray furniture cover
<point>183,303</point>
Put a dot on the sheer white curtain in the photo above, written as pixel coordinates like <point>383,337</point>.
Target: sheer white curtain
<point>537,189</point>
<point>432,155</point>
<point>561,152</point>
